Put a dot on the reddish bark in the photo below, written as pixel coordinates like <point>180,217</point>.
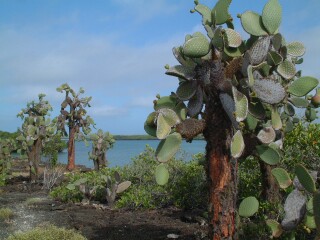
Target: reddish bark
<point>221,172</point>
<point>71,149</point>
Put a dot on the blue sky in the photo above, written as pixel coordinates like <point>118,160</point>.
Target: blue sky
<point>116,50</point>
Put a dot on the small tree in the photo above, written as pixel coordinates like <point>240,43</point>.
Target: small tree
<point>76,118</point>
<point>242,95</point>
<point>101,142</point>
<point>35,131</point>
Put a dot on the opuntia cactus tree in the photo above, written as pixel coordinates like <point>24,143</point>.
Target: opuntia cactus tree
<point>101,142</point>
<point>76,118</point>
<point>36,129</point>
<point>241,94</point>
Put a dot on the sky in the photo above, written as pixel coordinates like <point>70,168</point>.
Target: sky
<point>116,50</point>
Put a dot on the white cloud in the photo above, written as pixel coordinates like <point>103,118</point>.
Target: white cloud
<point>107,111</point>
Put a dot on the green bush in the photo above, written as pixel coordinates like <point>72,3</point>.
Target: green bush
<point>49,232</point>
<point>53,147</point>
<point>6,214</point>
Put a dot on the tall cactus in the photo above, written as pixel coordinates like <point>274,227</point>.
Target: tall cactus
<point>75,117</point>
<point>101,142</point>
<point>241,94</point>
<point>35,131</point>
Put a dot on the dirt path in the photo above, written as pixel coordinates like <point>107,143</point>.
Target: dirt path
<point>34,208</point>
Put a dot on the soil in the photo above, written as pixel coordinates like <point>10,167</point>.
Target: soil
<point>33,207</point>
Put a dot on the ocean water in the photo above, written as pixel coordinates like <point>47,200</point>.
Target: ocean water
<point>124,150</point>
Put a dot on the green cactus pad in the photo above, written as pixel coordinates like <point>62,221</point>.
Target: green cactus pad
<point>151,119</point>
<point>181,110</point>
<point>251,122</point>
<point>195,104</point>
<point>168,147</point>
<point>229,107</point>
<point>248,207</point>
<point>196,47</point>
<point>259,51</point>
<point>309,221</point>
<point>305,178</point>
<point>256,108</point>
<point>181,72</point>
<point>234,52</point>
<point>276,119</point>
<point>165,102</point>
<point>241,104</point>
<point>274,58</point>
<point>268,154</point>
<point>282,177</point>
<point>187,62</point>
<point>266,135</point>
<point>205,12</point>
<point>289,109</point>
<point>296,49</point>
<point>287,69</point>
<point>152,131</point>
<point>310,206</point>
<point>277,41</point>
<point>299,102</point>
<point>217,39</point>
<point>311,114</point>
<point>186,90</point>
<point>252,23</point>
<point>170,116</point>
<point>316,209</point>
<point>232,38</point>
<point>250,76</point>
<point>123,186</point>
<point>289,126</point>
<point>269,91</point>
<point>237,145</point>
<point>162,174</point>
<point>220,12</point>
<point>272,15</point>
<point>275,227</point>
<point>303,86</point>
<point>163,127</point>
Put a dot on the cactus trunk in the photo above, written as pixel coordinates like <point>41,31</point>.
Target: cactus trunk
<point>34,156</point>
<point>270,188</point>
<point>71,148</point>
<point>221,172</point>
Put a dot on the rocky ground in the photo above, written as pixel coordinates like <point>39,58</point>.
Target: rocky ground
<point>32,207</point>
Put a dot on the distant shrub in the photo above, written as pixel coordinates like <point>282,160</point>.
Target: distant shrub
<point>49,232</point>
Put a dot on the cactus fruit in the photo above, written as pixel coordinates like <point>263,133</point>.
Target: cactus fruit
<point>315,100</point>
<point>248,207</point>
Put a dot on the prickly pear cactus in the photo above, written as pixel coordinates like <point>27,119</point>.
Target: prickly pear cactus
<point>101,142</point>
<point>7,146</point>
<point>35,131</point>
<point>114,188</point>
<point>79,123</point>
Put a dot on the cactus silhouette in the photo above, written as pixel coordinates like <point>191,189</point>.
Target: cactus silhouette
<point>101,142</point>
<point>75,118</point>
<point>241,94</point>
<point>35,131</point>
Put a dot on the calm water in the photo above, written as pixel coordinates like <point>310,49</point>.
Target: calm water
<point>124,150</point>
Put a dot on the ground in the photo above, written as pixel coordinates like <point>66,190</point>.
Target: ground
<point>32,207</point>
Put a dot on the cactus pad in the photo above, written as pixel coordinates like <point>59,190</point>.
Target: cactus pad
<point>316,209</point>
<point>217,39</point>
<point>241,104</point>
<point>266,135</point>
<point>221,12</point>
<point>237,145</point>
<point>232,38</point>
<point>289,109</point>
<point>287,69</point>
<point>168,147</point>
<point>196,47</point>
<point>303,86</point>
<point>248,207</point>
<point>195,104</point>
<point>152,131</point>
<point>181,72</point>
<point>269,91</point>
<point>299,102</point>
<point>251,122</point>
<point>275,227</point>
<point>274,58</point>
<point>305,178</point>
<point>163,127</point>
<point>162,174</point>
<point>311,114</point>
<point>282,177</point>
<point>252,23</point>
<point>205,12</point>
<point>123,186</point>
<point>268,154</point>
<point>259,51</point>
<point>296,49</point>
<point>229,107</point>
<point>276,119</point>
<point>272,15</point>
<point>186,90</point>
<point>277,41</point>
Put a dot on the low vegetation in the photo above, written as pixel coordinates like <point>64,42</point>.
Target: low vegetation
<point>6,214</point>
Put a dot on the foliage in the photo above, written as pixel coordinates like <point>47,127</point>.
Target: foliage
<point>54,146</point>
<point>8,135</point>
<point>7,146</point>
<point>6,214</point>
<point>48,232</point>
